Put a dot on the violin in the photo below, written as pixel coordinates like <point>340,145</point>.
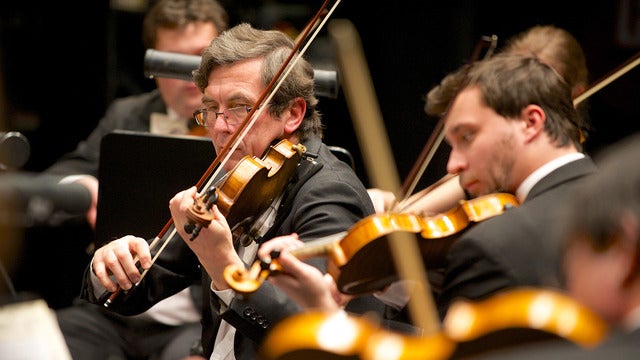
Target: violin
<point>354,256</point>
<point>320,335</point>
<point>546,313</point>
<point>247,191</point>
<point>551,311</point>
<point>242,196</point>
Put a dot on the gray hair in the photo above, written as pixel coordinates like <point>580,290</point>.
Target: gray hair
<point>243,42</point>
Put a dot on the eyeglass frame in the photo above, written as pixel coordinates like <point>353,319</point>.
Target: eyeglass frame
<point>204,111</point>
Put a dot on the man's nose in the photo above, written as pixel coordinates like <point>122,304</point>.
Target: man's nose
<point>456,162</point>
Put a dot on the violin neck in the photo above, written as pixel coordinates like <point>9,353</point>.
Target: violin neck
<point>319,247</point>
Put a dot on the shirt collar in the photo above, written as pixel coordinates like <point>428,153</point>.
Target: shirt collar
<point>542,171</point>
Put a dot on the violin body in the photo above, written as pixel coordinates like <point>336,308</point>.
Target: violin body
<point>545,310</point>
<point>249,189</point>
<point>360,259</point>
<point>365,244</point>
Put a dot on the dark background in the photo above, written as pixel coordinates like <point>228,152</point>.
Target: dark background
<point>61,66</point>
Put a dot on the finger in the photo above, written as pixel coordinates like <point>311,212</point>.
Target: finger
<point>113,265</point>
<point>295,267</point>
<point>140,248</point>
<point>281,243</point>
<point>176,200</point>
<point>179,198</point>
<point>125,265</point>
<point>340,298</point>
<point>218,215</point>
<point>188,197</point>
<point>100,270</point>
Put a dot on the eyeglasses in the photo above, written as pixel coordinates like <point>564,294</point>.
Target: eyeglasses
<point>232,116</point>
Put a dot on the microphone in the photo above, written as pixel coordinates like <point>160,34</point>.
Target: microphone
<point>14,150</point>
<point>179,66</point>
<point>170,65</point>
<point>40,199</point>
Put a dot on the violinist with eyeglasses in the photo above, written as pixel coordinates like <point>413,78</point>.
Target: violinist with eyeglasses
<point>218,226</point>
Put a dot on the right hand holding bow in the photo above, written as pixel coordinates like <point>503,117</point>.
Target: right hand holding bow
<point>119,260</point>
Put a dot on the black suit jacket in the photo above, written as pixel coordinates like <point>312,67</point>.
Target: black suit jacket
<point>325,198</point>
<point>517,248</point>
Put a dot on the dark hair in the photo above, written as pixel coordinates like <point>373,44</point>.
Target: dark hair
<point>559,49</point>
<point>175,14</point>
<point>551,45</point>
<point>510,82</point>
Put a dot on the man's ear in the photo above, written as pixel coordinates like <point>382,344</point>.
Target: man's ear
<point>294,115</point>
<point>534,119</point>
<point>629,236</point>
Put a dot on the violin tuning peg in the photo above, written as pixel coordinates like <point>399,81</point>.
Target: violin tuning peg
<point>189,228</point>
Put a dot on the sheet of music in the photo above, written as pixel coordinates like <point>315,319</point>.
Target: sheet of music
<point>29,330</point>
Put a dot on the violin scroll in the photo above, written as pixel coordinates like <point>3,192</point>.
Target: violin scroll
<point>245,282</point>
<point>199,214</point>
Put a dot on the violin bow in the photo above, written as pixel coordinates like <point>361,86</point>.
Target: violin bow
<point>608,79</point>
<point>437,135</point>
<point>372,137</point>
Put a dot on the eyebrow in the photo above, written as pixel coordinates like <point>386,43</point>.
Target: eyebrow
<point>452,130</point>
<point>235,97</point>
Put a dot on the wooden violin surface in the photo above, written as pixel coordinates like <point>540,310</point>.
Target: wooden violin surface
<point>360,259</point>
<point>339,335</point>
<point>319,335</point>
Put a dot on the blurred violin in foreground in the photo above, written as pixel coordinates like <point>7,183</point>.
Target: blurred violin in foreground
<point>546,314</point>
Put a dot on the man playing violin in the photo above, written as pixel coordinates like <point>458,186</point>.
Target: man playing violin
<point>512,128</point>
<point>323,197</point>
<point>553,46</point>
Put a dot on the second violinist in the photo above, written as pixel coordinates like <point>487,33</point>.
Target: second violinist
<point>324,197</point>
<point>512,127</point>
<point>555,47</point>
